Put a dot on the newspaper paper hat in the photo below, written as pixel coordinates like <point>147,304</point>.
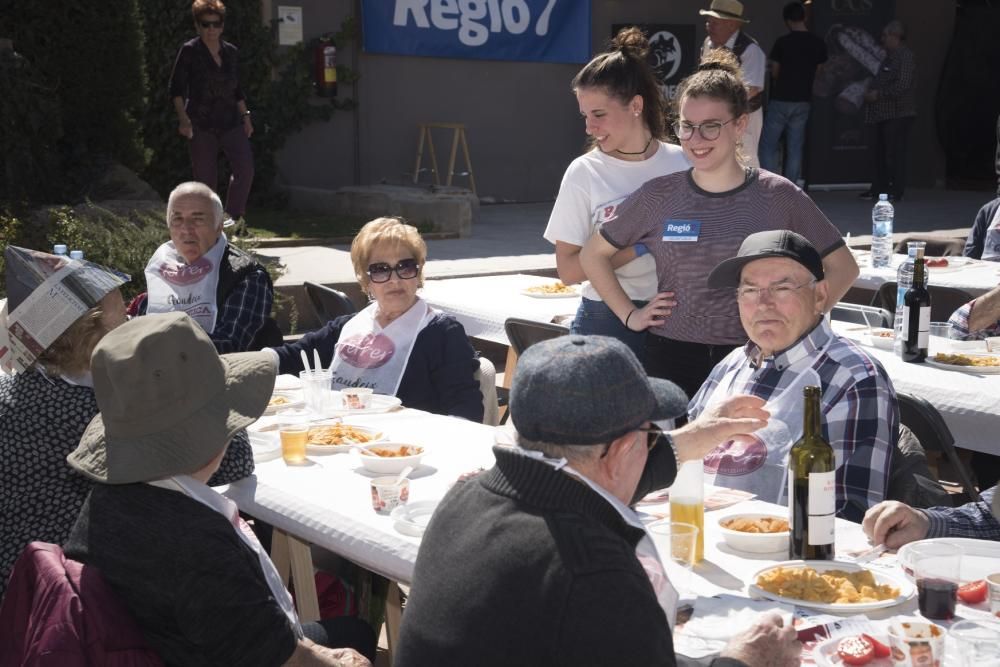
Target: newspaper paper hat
<point>46,294</point>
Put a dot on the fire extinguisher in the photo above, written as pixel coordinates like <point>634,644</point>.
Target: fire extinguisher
<point>326,67</point>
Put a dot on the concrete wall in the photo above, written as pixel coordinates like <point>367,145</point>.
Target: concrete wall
<point>522,122</point>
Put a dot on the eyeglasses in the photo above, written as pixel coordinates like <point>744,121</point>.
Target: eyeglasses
<point>177,223</point>
<point>653,434</point>
<point>406,269</point>
<point>211,24</point>
<point>708,130</point>
<point>779,293</point>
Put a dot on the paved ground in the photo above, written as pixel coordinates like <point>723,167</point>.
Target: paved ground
<point>507,238</point>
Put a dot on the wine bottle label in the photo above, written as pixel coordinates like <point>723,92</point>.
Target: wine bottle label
<point>905,330</point>
<point>822,507</point>
<point>923,335</point>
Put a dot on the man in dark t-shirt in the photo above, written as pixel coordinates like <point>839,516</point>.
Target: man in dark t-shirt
<point>794,59</point>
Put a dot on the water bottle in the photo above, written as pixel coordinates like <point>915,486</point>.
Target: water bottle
<point>904,280</point>
<point>76,254</point>
<point>59,249</point>
<point>882,215</point>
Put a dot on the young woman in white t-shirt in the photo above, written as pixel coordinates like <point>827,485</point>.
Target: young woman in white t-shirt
<point>624,113</point>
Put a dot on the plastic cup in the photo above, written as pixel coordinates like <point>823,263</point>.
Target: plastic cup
<point>978,642</point>
<point>317,390</point>
<point>936,569</point>
<point>294,437</point>
<point>388,493</point>
<point>940,329</point>
<point>916,643</point>
<point>993,593</point>
<point>683,548</point>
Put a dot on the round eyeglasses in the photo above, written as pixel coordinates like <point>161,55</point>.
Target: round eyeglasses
<point>406,269</point>
<point>779,293</point>
<point>709,130</point>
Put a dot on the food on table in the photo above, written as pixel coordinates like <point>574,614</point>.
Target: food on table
<point>938,262</point>
<point>881,650</point>
<point>884,333</point>
<point>973,593</point>
<point>552,288</point>
<point>340,434</point>
<point>393,452</point>
<point>765,524</point>
<point>827,587</point>
<point>857,650</point>
<point>966,360</point>
<point>278,400</point>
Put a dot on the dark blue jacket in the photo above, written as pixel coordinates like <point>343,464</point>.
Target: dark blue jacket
<point>439,376</point>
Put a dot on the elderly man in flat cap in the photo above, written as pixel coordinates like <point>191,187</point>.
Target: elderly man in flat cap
<point>778,282</point>
<point>540,560</point>
<point>724,24</point>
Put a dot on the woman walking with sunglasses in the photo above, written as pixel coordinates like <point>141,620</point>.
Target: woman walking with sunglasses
<point>398,345</point>
<point>692,220</point>
<point>211,109</point>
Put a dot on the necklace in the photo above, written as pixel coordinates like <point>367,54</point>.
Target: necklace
<point>645,148</point>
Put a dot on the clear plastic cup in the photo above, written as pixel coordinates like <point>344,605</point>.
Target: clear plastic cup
<point>317,391</point>
<point>294,436</point>
<point>936,568</point>
<point>978,642</point>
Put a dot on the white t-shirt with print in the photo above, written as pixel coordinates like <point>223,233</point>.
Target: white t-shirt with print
<point>592,187</point>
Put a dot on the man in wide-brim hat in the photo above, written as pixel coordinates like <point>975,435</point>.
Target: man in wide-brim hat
<point>198,584</point>
<point>726,10</point>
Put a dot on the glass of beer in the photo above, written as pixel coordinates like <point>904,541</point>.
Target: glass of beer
<point>294,436</point>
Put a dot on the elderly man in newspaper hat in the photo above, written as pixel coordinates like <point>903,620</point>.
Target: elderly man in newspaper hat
<point>528,563</point>
<point>197,582</point>
<point>724,27</point>
<point>778,282</point>
<point>223,288</point>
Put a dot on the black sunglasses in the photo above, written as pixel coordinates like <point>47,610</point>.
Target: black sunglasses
<point>653,434</point>
<point>210,24</point>
<point>406,269</point>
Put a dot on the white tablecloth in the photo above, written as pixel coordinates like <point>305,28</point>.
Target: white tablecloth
<point>482,304</point>
<point>976,278</point>
<point>969,403</point>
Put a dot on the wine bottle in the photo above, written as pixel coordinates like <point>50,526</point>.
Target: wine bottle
<point>811,478</point>
<point>916,314</point>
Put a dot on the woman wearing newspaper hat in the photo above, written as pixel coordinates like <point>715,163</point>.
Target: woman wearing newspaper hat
<point>57,310</point>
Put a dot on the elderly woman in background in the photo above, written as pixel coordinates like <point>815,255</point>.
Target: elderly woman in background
<point>46,405</point>
<point>211,108</point>
<point>398,345</point>
<point>198,271</point>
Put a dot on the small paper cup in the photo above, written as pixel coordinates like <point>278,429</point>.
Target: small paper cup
<point>993,593</point>
<point>356,398</point>
<point>916,643</point>
<point>388,494</point>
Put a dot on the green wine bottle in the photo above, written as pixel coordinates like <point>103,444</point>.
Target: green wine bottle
<point>811,481</point>
<point>916,314</point>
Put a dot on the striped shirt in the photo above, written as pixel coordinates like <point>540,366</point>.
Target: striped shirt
<point>859,410</point>
<point>973,520</point>
<point>719,222</point>
<point>959,322</point>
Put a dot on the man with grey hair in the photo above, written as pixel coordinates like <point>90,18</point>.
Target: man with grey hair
<point>541,560</point>
<point>198,271</point>
<point>891,107</point>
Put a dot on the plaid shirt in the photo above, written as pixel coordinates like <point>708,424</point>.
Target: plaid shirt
<point>959,322</point>
<point>895,83</point>
<point>973,520</point>
<point>858,403</point>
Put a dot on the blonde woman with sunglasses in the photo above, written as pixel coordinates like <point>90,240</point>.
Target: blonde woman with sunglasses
<point>398,345</point>
<point>692,220</point>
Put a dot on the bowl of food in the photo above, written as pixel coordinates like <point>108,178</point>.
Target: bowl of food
<point>389,458</point>
<point>880,337</point>
<point>755,533</point>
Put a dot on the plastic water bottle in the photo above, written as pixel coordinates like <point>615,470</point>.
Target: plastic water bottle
<point>882,216</point>
<point>76,254</point>
<point>904,280</point>
<point>59,249</point>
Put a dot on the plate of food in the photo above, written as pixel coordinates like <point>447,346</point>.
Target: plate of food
<point>556,290</point>
<point>412,518</point>
<point>946,264</point>
<point>334,437</point>
<point>283,400</point>
<point>978,364</point>
<point>346,403</point>
<point>832,586</point>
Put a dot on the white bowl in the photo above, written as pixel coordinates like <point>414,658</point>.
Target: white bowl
<point>388,465</point>
<point>883,341</point>
<point>758,543</point>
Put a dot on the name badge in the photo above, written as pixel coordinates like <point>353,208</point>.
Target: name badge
<point>681,231</point>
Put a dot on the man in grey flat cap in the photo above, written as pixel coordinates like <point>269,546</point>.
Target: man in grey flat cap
<point>540,560</point>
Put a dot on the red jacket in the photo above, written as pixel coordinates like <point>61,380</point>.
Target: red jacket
<point>61,613</point>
